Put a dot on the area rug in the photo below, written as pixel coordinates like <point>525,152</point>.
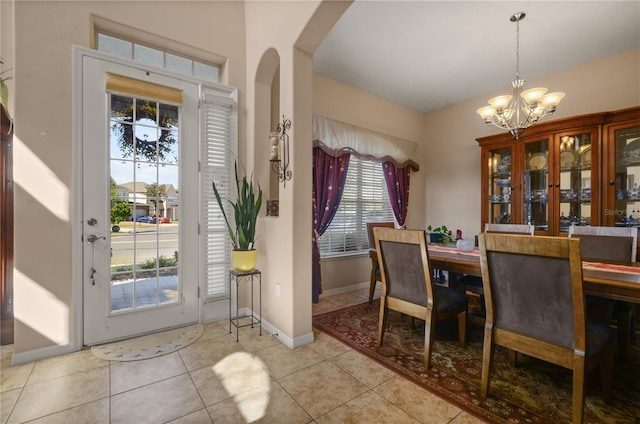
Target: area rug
<point>534,392</point>
<point>149,346</point>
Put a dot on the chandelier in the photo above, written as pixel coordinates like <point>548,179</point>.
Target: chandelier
<point>519,111</point>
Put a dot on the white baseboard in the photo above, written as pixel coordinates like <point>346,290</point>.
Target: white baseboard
<point>42,353</point>
<point>346,289</point>
<point>289,342</point>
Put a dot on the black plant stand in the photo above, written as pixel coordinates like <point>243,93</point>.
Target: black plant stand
<point>251,276</point>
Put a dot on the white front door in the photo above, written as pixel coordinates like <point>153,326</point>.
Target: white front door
<point>139,169</point>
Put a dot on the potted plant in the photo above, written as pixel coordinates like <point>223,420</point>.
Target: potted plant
<point>246,208</point>
<point>440,235</point>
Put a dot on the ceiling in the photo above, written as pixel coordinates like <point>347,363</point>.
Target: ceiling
<point>430,54</point>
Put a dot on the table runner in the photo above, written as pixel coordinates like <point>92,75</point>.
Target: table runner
<point>453,250</point>
<point>611,267</point>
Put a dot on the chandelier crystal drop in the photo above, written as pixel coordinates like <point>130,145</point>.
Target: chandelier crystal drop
<point>518,111</point>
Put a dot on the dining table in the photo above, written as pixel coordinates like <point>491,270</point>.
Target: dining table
<point>620,280</point>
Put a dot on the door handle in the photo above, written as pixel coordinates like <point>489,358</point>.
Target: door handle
<point>92,238</point>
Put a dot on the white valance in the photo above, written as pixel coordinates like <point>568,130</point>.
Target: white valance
<point>338,138</point>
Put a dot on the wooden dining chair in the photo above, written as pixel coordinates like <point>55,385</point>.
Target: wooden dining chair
<point>472,283</point>
<point>408,287</point>
<point>535,306</point>
<point>375,269</point>
<point>617,244</point>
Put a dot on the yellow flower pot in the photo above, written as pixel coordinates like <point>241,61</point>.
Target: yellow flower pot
<point>244,260</point>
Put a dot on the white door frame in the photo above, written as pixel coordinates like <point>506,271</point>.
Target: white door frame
<point>78,227</point>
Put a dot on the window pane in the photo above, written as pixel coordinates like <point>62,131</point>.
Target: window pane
<point>148,56</point>
<point>179,64</point>
<point>205,72</point>
<point>115,46</point>
<point>157,57</point>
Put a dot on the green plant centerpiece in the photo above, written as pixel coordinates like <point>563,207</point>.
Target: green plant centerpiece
<point>246,208</point>
<point>440,234</point>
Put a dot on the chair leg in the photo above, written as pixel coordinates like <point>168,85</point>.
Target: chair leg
<point>462,328</point>
<point>626,330</point>
<point>606,377</point>
<point>382,321</point>
<point>578,389</point>
<point>513,358</point>
<point>429,328</point>
<point>372,284</point>
<point>488,350</point>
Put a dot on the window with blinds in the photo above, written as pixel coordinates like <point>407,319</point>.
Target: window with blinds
<point>365,199</point>
<point>219,117</point>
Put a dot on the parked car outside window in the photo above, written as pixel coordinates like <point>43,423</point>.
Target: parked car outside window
<point>146,219</point>
<point>163,220</point>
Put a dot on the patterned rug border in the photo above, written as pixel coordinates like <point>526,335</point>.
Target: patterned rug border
<point>468,400</point>
<point>149,346</point>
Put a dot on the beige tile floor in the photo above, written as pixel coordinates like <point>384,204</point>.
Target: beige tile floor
<point>217,380</point>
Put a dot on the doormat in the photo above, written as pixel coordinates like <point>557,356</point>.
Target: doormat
<point>534,392</point>
<point>149,346</point>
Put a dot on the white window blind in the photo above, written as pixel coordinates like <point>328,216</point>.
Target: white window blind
<point>220,123</point>
<point>365,199</point>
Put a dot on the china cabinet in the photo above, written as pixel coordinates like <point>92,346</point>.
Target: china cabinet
<point>583,170</point>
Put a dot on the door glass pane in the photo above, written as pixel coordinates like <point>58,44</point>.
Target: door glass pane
<point>536,195</point>
<point>144,203</point>
<point>500,186</point>
<point>575,180</point>
<point>627,209</point>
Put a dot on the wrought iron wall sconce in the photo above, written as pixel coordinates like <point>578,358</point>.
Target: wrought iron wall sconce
<point>279,153</point>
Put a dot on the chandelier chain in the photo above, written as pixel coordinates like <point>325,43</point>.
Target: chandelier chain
<point>518,49</point>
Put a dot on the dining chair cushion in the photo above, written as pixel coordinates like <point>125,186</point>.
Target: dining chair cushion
<point>448,299</point>
<point>404,264</point>
<point>604,247</point>
<point>599,335</point>
<point>550,284</point>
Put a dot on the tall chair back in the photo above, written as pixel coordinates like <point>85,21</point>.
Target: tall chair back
<point>610,244</point>
<point>407,285</point>
<point>375,269</point>
<point>535,306</point>
<point>607,243</point>
<point>510,228</point>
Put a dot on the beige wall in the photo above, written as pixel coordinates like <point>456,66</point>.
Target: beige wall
<point>44,35</point>
<point>446,190</point>
<point>285,241</point>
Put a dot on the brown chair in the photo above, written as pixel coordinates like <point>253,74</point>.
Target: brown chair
<point>535,306</point>
<point>472,283</point>
<point>612,244</point>
<point>375,269</point>
<point>407,286</point>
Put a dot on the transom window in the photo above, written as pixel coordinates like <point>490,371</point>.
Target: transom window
<point>365,199</point>
<point>157,58</point>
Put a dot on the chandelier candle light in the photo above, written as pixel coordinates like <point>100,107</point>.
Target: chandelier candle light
<point>517,112</point>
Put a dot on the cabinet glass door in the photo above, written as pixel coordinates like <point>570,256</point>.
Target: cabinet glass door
<point>536,178</point>
<point>627,177</point>
<point>500,186</point>
<point>575,180</point>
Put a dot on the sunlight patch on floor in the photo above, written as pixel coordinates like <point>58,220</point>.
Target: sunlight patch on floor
<point>239,372</point>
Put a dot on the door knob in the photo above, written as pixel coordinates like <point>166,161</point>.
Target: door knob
<point>92,238</point>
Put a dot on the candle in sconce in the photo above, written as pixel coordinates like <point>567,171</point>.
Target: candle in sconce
<point>275,148</point>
